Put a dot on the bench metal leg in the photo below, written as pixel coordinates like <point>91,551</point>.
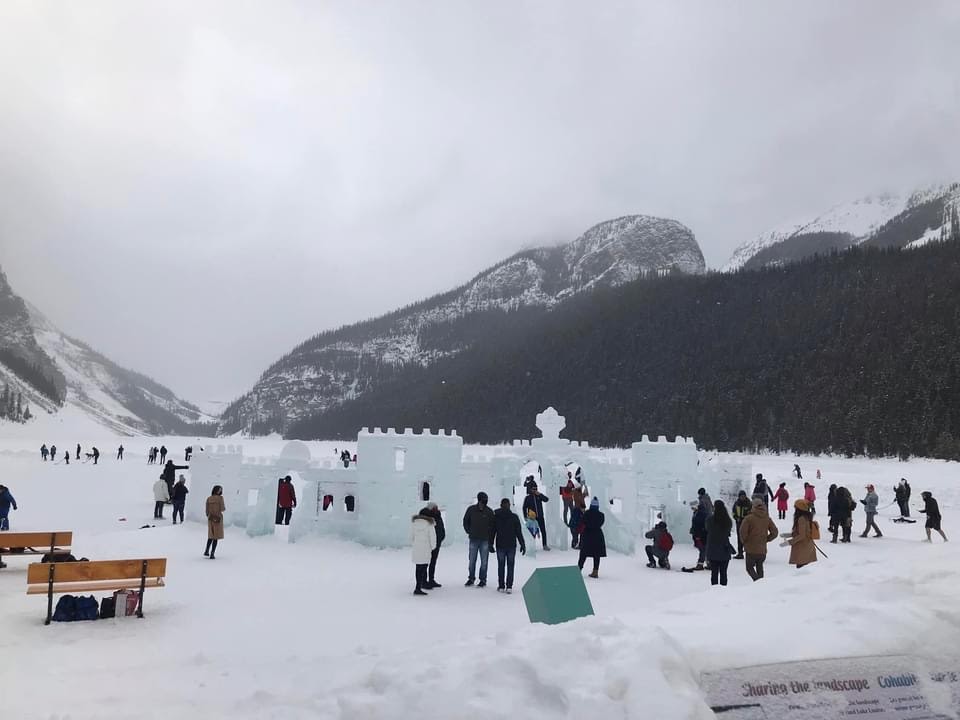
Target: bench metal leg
<point>50,594</point>
<point>143,588</point>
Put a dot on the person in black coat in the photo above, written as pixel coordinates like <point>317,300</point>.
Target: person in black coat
<point>718,548</point>
<point>534,502</point>
<point>932,510</point>
<point>432,511</point>
<point>592,543</point>
<point>506,535</point>
<point>762,491</point>
<point>169,475</point>
<point>698,530</point>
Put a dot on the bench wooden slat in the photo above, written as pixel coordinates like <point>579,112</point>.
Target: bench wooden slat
<point>94,570</point>
<point>32,551</point>
<point>133,584</point>
<point>35,539</point>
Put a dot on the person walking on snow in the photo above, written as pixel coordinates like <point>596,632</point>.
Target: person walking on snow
<point>870,502</point>
<point>179,498</point>
<point>286,499</point>
<point>53,453</point>
<point>163,454</point>
<point>796,471</point>
<point>930,508</point>
<point>77,456</point>
<point>658,554</point>
<point>782,496</point>
<point>431,510</point>
<point>762,490</point>
<point>66,457</point>
<point>478,524</point>
<point>741,508</point>
<point>506,535</point>
<point>120,453</point>
<point>215,508</point>
<point>95,455</point>
<point>719,550</point>
<point>161,495</point>
<point>800,539</point>
<point>810,495</point>
<point>423,537</point>
<point>593,544</point>
<point>533,502</point>
<point>757,530</point>
<point>6,502</point>
<point>44,452</point>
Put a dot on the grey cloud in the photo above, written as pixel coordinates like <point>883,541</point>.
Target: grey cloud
<point>193,188</point>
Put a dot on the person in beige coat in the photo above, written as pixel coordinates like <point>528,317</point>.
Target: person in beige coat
<point>215,510</point>
<point>802,550</point>
<point>756,530</point>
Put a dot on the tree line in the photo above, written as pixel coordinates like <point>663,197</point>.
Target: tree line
<point>855,352</point>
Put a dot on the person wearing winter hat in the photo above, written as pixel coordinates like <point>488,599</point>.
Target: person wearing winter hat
<point>423,537</point>
<point>800,539</point>
<point>782,496</point>
<point>741,508</point>
<point>932,510</point>
<point>870,502</point>
<point>762,490</point>
<point>592,542</point>
<point>756,531</point>
<point>179,498</point>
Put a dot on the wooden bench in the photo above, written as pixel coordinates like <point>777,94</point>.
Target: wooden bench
<point>34,543</point>
<point>95,575</point>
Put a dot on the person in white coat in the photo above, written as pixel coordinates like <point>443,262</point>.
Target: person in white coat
<point>423,537</point>
<point>160,497</point>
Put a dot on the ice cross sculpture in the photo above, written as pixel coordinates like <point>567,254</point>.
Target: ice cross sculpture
<point>550,424</point>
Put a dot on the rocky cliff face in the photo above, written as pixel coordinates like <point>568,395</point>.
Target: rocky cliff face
<point>340,365</point>
<point>52,370</point>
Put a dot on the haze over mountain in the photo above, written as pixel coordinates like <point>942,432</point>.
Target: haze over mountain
<point>346,363</point>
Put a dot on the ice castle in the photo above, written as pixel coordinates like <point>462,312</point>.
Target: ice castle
<point>371,501</point>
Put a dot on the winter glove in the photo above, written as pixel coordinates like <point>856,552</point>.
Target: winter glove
<point>523,551</point>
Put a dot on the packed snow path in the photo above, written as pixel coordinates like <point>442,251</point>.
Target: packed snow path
<point>330,629</point>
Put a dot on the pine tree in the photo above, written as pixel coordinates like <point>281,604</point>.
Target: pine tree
<point>27,415</point>
<point>19,415</point>
<point>954,225</point>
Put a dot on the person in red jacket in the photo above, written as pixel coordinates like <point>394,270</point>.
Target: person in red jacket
<point>286,500</point>
<point>810,495</point>
<point>781,496</point>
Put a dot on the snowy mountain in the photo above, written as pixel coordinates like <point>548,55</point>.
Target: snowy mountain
<point>52,370</point>
<point>345,363</point>
<point>886,220</point>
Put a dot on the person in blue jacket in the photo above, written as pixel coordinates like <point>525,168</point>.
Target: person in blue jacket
<point>6,502</point>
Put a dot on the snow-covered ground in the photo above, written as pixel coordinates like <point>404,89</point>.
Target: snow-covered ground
<point>330,629</point>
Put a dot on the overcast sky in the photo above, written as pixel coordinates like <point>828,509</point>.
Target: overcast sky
<point>193,188</point>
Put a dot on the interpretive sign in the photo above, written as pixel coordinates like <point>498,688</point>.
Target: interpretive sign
<point>881,688</point>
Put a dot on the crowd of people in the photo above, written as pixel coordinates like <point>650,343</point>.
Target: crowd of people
<point>50,454</point>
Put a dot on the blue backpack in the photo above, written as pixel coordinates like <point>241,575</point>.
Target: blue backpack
<point>71,608</point>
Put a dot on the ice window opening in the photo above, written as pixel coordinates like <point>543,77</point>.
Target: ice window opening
<point>399,459</point>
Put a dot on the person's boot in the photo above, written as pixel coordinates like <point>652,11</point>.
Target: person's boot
<point>651,564</point>
<point>468,583</point>
<point>594,574</point>
<point>482,583</point>
<point>699,566</point>
<point>418,591</point>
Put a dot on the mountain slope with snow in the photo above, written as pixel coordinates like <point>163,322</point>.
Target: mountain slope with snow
<point>344,364</point>
<point>886,220</point>
<point>53,370</point>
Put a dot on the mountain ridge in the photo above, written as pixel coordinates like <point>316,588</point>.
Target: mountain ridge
<point>338,365</point>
